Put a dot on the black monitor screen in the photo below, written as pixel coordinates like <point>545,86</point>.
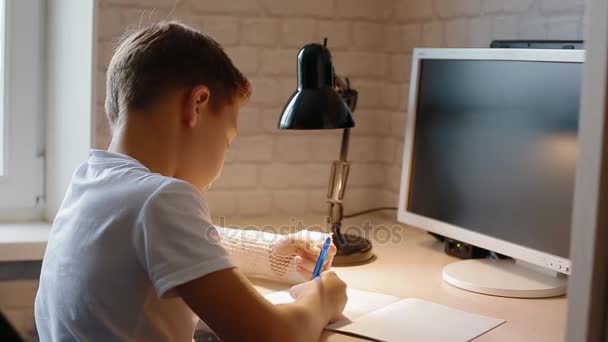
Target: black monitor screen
<point>495,148</point>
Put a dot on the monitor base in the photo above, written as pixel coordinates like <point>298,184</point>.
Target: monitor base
<point>504,278</point>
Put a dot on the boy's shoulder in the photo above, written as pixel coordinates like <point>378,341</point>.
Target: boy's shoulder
<point>111,185</point>
<point>126,177</point>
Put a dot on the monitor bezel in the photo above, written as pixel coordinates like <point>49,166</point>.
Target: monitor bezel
<point>527,254</point>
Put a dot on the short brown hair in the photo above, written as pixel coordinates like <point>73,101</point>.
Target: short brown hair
<point>166,56</point>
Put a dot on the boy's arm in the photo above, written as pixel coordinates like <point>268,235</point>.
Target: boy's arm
<point>235,311</point>
<point>286,258</point>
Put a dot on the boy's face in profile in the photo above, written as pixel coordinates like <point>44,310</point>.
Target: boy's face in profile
<point>226,129</point>
<point>208,140</point>
<point>173,97</point>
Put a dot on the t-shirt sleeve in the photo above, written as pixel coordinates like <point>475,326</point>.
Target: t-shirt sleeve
<point>175,241</point>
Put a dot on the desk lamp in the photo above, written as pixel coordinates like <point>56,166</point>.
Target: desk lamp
<point>325,101</point>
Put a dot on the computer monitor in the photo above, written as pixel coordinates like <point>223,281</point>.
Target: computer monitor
<point>489,159</point>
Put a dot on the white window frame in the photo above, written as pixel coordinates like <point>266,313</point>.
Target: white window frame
<point>22,182</point>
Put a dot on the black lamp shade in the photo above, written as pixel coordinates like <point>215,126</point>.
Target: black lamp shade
<point>315,104</point>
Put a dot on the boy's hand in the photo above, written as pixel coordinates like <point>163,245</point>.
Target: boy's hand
<point>308,247</point>
<point>330,289</point>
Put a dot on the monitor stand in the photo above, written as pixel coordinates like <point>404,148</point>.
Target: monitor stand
<point>505,278</point>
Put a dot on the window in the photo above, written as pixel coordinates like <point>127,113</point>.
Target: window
<point>21,98</point>
<point>2,153</point>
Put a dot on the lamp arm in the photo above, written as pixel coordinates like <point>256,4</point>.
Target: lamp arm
<point>335,192</point>
<point>340,169</point>
<point>339,172</point>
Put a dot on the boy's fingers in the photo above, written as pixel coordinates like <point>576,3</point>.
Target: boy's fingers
<point>301,243</point>
<point>306,264</point>
<point>315,249</point>
<point>308,254</point>
<point>314,256</point>
<point>332,250</point>
<point>302,246</point>
<point>306,274</point>
<point>310,264</point>
<point>296,290</point>
<point>327,264</point>
<point>290,245</point>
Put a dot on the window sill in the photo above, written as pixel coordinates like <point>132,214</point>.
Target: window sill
<point>23,241</point>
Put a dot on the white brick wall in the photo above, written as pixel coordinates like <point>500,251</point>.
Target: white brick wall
<point>271,171</point>
<point>464,23</point>
<point>225,29</point>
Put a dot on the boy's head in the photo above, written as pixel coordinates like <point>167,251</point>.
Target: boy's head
<point>184,80</point>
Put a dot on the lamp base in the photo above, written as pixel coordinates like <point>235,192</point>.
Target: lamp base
<point>353,250</point>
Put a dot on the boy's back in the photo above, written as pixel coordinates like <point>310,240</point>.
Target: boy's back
<point>110,254</point>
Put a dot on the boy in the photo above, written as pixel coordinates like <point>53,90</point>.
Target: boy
<point>132,254</point>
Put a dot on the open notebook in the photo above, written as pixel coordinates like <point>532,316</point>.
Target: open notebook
<point>387,318</point>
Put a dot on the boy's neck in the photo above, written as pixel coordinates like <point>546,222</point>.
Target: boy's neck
<point>149,141</point>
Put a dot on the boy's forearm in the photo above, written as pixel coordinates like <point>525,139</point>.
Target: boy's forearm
<point>252,252</point>
<point>305,318</point>
<point>216,297</point>
<point>248,250</point>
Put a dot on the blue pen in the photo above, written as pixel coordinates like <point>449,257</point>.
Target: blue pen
<point>321,259</point>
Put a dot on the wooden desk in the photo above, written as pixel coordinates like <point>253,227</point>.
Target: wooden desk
<point>410,266</point>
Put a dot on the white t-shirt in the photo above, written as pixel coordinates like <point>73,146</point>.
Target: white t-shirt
<point>123,238</point>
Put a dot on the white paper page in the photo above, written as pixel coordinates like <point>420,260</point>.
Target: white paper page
<point>359,303</point>
<point>418,320</point>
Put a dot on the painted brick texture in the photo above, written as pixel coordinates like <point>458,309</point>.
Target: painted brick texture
<point>463,23</point>
<point>270,171</point>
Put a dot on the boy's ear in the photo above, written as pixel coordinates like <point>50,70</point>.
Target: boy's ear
<point>197,103</point>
